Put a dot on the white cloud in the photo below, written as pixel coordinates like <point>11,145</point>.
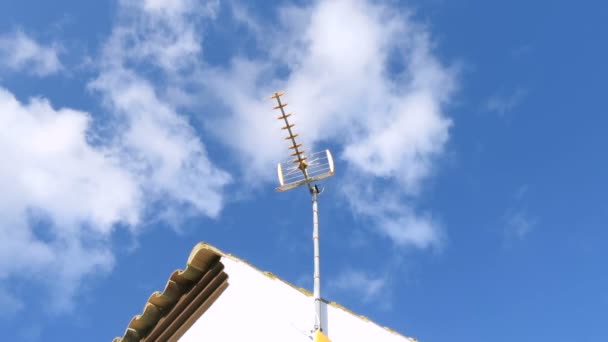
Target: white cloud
<point>166,8</point>
<point>360,75</point>
<point>68,183</point>
<point>160,145</point>
<point>18,51</point>
<point>156,137</point>
<point>159,33</point>
<point>61,197</point>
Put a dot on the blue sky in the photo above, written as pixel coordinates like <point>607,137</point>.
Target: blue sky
<point>469,201</point>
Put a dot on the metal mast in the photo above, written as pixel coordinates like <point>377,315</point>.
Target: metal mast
<point>299,171</point>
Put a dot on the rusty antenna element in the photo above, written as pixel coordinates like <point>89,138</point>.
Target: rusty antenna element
<point>306,169</point>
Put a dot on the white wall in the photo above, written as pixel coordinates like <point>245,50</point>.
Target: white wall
<point>256,307</point>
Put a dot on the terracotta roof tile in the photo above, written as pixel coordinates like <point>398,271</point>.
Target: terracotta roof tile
<point>203,279</point>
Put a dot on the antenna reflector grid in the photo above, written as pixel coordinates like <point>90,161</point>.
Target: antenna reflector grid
<point>320,165</point>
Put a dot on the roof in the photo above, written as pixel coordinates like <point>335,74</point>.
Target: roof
<point>187,295</point>
<point>167,315</point>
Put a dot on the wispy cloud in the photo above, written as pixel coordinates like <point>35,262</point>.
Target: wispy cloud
<point>361,284</point>
<point>9,303</point>
<point>522,51</point>
<point>501,103</point>
<point>518,224</point>
<point>517,220</point>
<point>392,217</point>
<point>20,52</point>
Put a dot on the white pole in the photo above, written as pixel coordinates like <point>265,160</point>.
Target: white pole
<point>317,272</point>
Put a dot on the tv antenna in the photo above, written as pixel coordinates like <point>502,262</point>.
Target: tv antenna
<point>306,169</point>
